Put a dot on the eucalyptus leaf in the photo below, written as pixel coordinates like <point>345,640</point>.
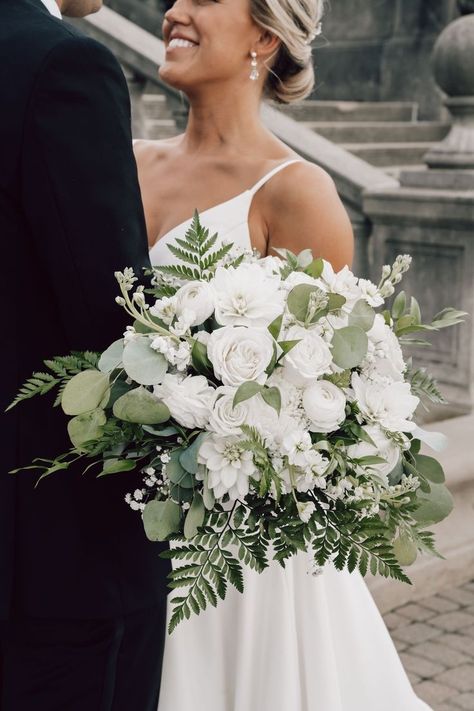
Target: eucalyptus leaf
<point>180,494</point>
<point>189,456</point>
<point>84,392</point>
<point>415,310</point>
<point>349,346</point>
<point>246,391</point>
<point>142,407</point>
<point>164,432</point>
<point>298,300</point>
<point>405,550</point>
<point>362,315</point>
<point>177,473</point>
<point>161,519</point>
<point>86,427</point>
<point>142,364</point>
<point>119,388</point>
<point>435,505</point>
<point>399,305</point>
<point>194,517</point>
<point>275,327</point>
<point>430,468</point>
<point>112,357</point>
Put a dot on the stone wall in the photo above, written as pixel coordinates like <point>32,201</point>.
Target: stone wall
<point>374,50</point>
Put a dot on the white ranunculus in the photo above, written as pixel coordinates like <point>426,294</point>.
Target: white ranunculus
<point>324,404</point>
<point>385,357</point>
<point>226,419</point>
<point>229,467</point>
<point>309,359</point>
<point>239,354</point>
<point>246,296</point>
<point>391,405</point>
<point>189,399</point>
<point>198,297</point>
<point>382,447</point>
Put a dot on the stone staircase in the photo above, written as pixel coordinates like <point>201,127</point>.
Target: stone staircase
<point>385,134</point>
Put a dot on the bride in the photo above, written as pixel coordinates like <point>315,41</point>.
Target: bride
<point>294,641</point>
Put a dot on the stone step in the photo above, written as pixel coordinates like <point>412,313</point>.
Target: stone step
<point>386,154</point>
<point>157,129</point>
<point>156,106</point>
<point>379,131</point>
<point>313,110</point>
<point>396,170</point>
<point>454,536</point>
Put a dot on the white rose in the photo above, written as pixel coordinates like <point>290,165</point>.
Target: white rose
<point>239,354</point>
<point>189,399</point>
<point>246,296</point>
<point>198,297</point>
<point>391,405</point>
<point>226,419</point>
<point>382,447</point>
<point>324,404</point>
<point>309,359</point>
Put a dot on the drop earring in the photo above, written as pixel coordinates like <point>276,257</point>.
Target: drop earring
<point>254,74</point>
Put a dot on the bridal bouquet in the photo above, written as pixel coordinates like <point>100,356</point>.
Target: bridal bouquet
<point>269,407</point>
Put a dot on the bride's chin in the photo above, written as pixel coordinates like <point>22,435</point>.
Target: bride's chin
<point>173,76</point>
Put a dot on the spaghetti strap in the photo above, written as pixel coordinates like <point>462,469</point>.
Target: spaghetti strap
<point>273,172</point>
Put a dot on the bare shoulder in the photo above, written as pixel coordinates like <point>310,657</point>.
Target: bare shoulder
<point>303,210</point>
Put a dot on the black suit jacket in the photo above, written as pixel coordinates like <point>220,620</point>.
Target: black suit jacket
<point>70,215</point>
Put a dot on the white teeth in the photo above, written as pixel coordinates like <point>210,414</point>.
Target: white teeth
<point>178,42</point>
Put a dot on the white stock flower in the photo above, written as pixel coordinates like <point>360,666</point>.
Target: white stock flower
<point>198,297</point>
<point>391,405</point>
<point>343,282</point>
<point>324,404</point>
<point>228,465</point>
<point>164,309</point>
<point>239,354</point>
<point>384,357</point>
<point>177,354</point>
<point>245,296</point>
<point>309,359</point>
<point>306,510</point>
<point>382,447</point>
<point>184,322</point>
<point>370,292</point>
<point>226,419</point>
<point>189,399</point>
<point>297,446</point>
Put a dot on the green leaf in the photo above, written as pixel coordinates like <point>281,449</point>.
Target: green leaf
<point>176,472</point>
<point>142,364</point>
<point>430,468</point>
<point>161,519</point>
<point>349,346</point>
<point>119,388</point>
<point>189,456</point>
<point>86,427</point>
<point>200,360</point>
<point>180,495</point>
<point>298,300</point>
<point>287,346</point>
<point>275,327</point>
<point>195,516</point>
<point>399,305</point>
<point>84,392</point>
<point>315,269</point>
<point>246,391</point>
<point>335,302</point>
<point>112,357</point>
<point>415,310</point>
<point>142,407</point>
<point>434,506</point>
<point>272,397</point>
<point>362,315</point>
<point>405,550</point>
<point>115,466</point>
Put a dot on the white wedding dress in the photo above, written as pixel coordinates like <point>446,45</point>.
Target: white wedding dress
<point>293,641</point>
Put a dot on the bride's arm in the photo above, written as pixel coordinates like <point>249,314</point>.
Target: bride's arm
<point>303,210</point>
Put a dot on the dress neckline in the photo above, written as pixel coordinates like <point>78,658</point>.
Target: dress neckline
<point>249,191</point>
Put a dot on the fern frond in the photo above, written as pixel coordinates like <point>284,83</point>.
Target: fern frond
<point>423,384</point>
<point>38,384</point>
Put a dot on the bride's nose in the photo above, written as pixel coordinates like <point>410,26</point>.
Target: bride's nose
<point>178,13</point>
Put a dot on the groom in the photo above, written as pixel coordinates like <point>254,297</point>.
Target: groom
<point>82,593</point>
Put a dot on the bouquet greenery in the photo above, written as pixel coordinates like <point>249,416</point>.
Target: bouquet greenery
<point>270,410</point>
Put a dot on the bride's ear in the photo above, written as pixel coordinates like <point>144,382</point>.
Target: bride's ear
<point>267,45</point>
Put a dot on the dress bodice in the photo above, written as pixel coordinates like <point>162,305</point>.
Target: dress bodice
<point>229,219</point>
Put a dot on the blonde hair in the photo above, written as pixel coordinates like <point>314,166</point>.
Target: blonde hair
<point>295,23</point>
